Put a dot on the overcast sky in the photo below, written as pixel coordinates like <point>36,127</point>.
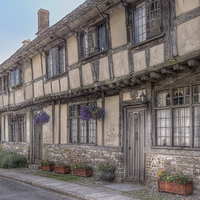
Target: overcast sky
<point>19,22</point>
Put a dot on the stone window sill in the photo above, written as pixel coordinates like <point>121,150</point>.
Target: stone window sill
<point>175,148</point>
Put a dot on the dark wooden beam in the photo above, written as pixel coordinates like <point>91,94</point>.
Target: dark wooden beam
<point>168,71</point>
<point>104,87</point>
<point>147,78</point>
<point>193,63</point>
<point>180,67</point>
<point>135,81</point>
<point>112,86</point>
<point>156,75</point>
<point>126,82</point>
<point>120,85</point>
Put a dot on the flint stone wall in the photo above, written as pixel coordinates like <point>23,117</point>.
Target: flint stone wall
<point>188,165</point>
<point>90,155</point>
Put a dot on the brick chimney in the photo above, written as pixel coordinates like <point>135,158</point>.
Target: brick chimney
<point>43,20</point>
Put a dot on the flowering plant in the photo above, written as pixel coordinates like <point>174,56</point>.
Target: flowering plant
<point>80,166</point>
<point>46,162</point>
<point>170,177</point>
<point>91,111</point>
<point>41,118</point>
<point>105,167</point>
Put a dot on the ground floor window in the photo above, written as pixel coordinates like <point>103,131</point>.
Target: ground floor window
<point>81,131</point>
<point>17,127</point>
<point>177,114</point>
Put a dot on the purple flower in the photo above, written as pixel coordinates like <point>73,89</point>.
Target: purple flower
<point>42,118</point>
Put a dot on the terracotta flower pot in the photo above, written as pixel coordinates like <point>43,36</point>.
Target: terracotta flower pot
<point>184,188</point>
<point>83,172</point>
<point>47,168</point>
<point>62,170</point>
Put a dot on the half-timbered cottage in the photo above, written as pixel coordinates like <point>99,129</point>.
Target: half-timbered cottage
<point>139,60</point>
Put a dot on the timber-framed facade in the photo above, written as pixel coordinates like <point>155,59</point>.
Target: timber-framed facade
<point>109,52</point>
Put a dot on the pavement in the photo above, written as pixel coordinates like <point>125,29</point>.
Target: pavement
<point>110,191</point>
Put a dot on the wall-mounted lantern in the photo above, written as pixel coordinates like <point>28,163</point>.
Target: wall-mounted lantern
<point>144,100</point>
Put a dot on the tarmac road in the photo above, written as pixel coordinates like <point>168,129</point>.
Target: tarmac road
<point>15,190</point>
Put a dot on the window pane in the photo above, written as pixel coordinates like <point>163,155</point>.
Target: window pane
<point>163,127</point>
<point>73,129</point>
<point>140,23</point>
<point>50,64</point>
<point>0,84</point>
<point>12,73</point>
<point>101,37</point>
<point>162,98</point>
<point>92,131</point>
<point>196,93</point>
<point>82,131</point>
<point>181,96</point>
<point>181,128</point>
<point>196,126</point>
<point>55,61</point>
<point>16,77</point>
<point>22,129</point>
<point>13,129</point>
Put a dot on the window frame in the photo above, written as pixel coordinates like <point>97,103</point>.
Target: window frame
<point>56,72</point>
<point>134,23</point>
<point>84,33</point>
<point>192,105</point>
<point>77,109</point>
<point>18,75</point>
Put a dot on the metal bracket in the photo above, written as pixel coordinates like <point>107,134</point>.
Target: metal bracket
<point>71,31</point>
<point>60,39</point>
<point>38,51</point>
<point>102,14</point>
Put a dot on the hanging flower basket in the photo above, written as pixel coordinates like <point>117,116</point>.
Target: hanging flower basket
<point>41,118</point>
<point>91,112</point>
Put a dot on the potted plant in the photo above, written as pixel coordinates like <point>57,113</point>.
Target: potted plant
<point>106,172</point>
<point>81,169</point>
<point>61,168</point>
<point>174,183</point>
<point>47,165</point>
<point>41,118</point>
<point>91,111</point>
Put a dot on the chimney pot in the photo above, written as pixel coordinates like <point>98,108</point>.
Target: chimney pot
<point>43,20</point>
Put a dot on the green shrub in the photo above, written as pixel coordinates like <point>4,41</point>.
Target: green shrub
<point>10,159</point>
<point>80,166</point>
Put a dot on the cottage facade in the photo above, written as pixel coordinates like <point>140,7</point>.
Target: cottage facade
<point>108,53</point>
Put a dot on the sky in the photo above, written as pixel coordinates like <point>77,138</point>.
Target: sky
<point>19,20</point>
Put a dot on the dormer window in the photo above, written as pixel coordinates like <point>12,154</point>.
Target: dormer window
<point>15,76</point>
<point>93,40</point>
<point>56,61</point>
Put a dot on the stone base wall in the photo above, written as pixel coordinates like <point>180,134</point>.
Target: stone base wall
<point>90,155</point>
<point>20,148</point>
<point>189,165</point>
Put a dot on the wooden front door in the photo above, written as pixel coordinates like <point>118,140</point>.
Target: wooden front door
<point>135,131</point>
<point>37,143</point>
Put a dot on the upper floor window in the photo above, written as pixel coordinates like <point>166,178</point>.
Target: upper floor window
<point>56,61</point>
<point>178,117</point>
<point>81,131</point>
<point>93,40</point>
<point>15,76</point>
<point>147,20</point>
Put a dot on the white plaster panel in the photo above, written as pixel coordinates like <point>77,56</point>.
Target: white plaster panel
<point>156,55</point>
<point>1,101</point>
<point>72,50</point>
<point>118,28</point>
<point>87,74</point>
<point>64,84</point>
<point>126,96</point>
<point>11,99</point>
<point>37,71</point>
<point>28,128</point>
<point>139,61</point>
<point>29,92</point>
<point>19,95</point>
<point>27,72</point>
<point>5,100</point>
<point>111,121</point>
<point>56,125</point>
<point>74,78</point>
<point>183,6</point>
<point>189,36</point>
<point>63,124</point>
<point>47,88</point>
<point>38,89</point>
<point>55,86</point>
<point>120,64</point>
<point>104,73</point>
<point>47,128</point>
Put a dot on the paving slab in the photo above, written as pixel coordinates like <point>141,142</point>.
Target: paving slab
<point>115,197</point>
<point>124,187</point>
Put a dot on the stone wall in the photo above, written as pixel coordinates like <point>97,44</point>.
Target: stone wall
<point>91,155</point>
<point>20,148</point>
<point>189,165</point>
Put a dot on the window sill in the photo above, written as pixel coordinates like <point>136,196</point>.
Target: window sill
<point>55,76</point>
<point>175,148</point>
<point>16,86</point>
<point>83,144</point>
<point>96,54</point>
<point>148,40</point>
